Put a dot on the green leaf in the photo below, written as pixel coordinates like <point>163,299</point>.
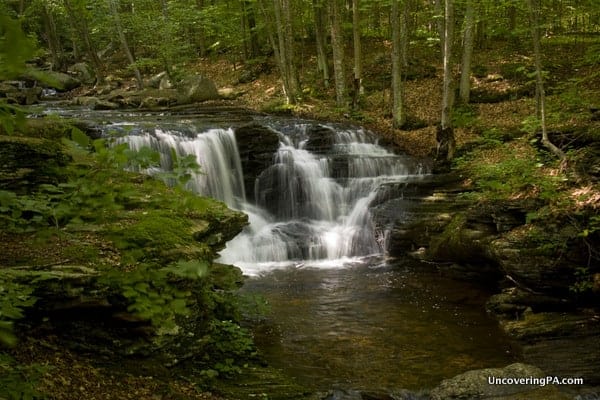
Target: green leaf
<point>195,269</point>
<point>80,138</point>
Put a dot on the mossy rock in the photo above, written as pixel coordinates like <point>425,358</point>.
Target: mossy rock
<point>27,162</point>
<point>458,242</point>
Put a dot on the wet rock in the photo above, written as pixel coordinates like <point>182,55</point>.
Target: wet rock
<point>105,105</point>
<point>512,302</point>
<point>154,102</point>
<point>320,139</point>
<point>475,385</point>
<point>256,146</point>
<point>563,344</point>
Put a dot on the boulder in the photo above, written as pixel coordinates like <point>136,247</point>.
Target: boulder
<point>475,385</point>
<point>196,89</point>
<point>155,80</point>
<point>61,81</point>
<point>83,72</point>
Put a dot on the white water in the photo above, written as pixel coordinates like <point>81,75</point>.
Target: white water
<point>303,214</point>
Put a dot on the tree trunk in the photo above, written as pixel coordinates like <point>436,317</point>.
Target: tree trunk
<point>167,42</point>
<point>398,112</point>
<point>117,19</point>
<point>337,43</point>
<point>535,31</point>
<point>79,21</point>
<point>251,40</point>
<point>439,13</point>
<point>283,47</point>
<point>54,44</point>
<point>468,42</point>
<point>290,49</point>
<point>320,22</point>
<point>445,134</point>
<point>358,87</point>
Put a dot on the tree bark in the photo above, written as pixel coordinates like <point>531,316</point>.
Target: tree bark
<point>337,43</point>
<point>117,19</point>
<point>445,135</point>
<point>79,21</point>
<point>439,13</point>
<point>398,112</point>
<point>358,87</point>
<point>535,31</point>
<point>468,42</point>
<point>320,22</point>
<point>54,45</point>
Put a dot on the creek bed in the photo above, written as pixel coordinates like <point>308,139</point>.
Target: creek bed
<point>375,325</point>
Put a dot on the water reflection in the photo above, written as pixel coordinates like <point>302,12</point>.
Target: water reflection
<point>373,328</point>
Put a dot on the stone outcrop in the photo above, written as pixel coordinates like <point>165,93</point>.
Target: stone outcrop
<point>28,162</point>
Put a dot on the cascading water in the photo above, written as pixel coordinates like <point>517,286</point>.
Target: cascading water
<point>312,205</point>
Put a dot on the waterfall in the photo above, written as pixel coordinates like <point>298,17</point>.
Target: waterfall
<point>216,153</point>
<point>311,203</point>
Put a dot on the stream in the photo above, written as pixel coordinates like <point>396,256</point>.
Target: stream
<point>373,325</point>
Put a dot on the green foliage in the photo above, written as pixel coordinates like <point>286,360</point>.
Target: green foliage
<point>19,382</point>
<point>15,48</point>
<point>515,175</point>
<point>151,296</point>
<point>14,298</point>
<point>584,281</point>
<point>226,344</point>
<point>464,116</point>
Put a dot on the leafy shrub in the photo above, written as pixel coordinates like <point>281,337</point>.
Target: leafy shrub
<point>14,298</point>
<point>19,382</point>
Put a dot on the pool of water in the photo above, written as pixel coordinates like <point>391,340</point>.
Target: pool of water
<point>375,325</point>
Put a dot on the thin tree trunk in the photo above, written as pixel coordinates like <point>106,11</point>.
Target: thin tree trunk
<point>398,112</point>
<point>445,133</point>
<point>167,54</point>
<point>439,12</point>
<point>323,66</point>
<point>52,37</point>
<point>468,42</point>
<point>272,40</point>
<point>79,21</point>
<point>535,31</point>
<point>337,42</point>
<point>250,24</point>
<point>358,87</point>
<point>290,50</point>
<point>115,13</point>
